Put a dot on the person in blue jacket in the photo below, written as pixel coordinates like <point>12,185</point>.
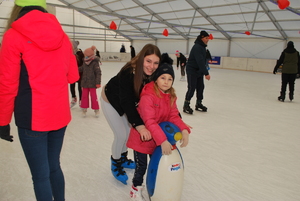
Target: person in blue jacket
<point>196,70</point>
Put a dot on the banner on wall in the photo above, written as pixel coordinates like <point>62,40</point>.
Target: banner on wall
<point>215,61</point>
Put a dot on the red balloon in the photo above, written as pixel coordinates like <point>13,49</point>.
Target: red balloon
<point>282,4</point>
<point>113,25</point>
<point>165,32</point>
<point>211,37</point>
<point>247,33</point>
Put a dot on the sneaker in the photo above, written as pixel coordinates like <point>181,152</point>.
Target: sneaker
<point>73,102</point>
<point>136,193</point>
<point>97,112</point>
<point>84,110</point>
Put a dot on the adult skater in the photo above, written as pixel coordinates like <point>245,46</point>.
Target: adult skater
<point>290,61</point>
<point>119,100</point>
<point>36,65</point>
<point>196,70</point>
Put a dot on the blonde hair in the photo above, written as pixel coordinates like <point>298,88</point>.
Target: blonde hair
<point>170,91</point>
<point>13,16</point>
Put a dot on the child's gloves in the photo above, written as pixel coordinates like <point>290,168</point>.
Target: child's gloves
<point>5,133</point>
<point>166,148</point>
<point>185,138</point>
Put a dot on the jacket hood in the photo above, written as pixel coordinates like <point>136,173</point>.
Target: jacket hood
<point>290,50</point>
<point>41,29</point>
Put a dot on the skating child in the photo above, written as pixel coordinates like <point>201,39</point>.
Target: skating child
<point>90,80</point>
<point>157,104</point>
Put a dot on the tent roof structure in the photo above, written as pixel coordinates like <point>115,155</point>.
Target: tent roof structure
<point>184,19</point>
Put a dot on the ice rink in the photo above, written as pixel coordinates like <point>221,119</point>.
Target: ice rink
<point>245,148</point>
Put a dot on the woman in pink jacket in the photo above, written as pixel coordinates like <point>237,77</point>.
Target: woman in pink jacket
<point>157,104</point>
<point>36,66</point>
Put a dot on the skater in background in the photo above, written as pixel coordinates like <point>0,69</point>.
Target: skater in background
<point>79,59</point>
<point>165,58</point>
<point>196,70</point>
<point>208,58</point>
<point>36,66</point>
<point>98,55</point>
<point>90,80</point>
<point>157,104</point>
<point>132,51</point>
<point>181,60</point>
<point>119,100</point>
<point>123,50</point>
<point>290,61</point>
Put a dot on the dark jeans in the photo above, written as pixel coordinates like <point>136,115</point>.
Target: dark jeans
<point>42,152</point>
<point>182,70</point>
<point>141,162</point>
<point>72,89</point>
<point>287,79</point>
<point>195,82</point>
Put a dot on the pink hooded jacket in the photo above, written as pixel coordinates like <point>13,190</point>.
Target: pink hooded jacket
<point>36,65</point>
<point>154,110</point>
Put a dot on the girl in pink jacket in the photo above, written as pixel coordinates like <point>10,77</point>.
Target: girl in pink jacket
<point>157,104</point>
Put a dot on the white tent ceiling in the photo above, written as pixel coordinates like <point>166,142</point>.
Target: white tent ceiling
<point>184,19</point>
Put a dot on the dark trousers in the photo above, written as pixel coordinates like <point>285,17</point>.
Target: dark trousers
<point>287,79</point>
<point>42,152</point>
<point>195,83</point>
<point>141,161</point>
<point>182,68</point>
<point>72,89</point>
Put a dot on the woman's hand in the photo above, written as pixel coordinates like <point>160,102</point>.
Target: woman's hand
<point>185,138</point>
<point>166,148</point>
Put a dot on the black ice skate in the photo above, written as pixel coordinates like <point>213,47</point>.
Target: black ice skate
<point>186,108</point>
<point>200,107</point>
<point>281,99</point>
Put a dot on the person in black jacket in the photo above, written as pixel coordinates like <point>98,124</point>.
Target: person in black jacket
<point>290,61</point>
<point>119,100</point>
<point>196,70</point>
<point>181,60</point>
<point>132,51</point>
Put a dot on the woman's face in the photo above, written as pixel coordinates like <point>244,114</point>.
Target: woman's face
<point>150,64</point>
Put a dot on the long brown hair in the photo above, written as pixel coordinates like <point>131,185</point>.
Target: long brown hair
<point>137,65</point>
<point>13,16</point>
<point>171,91</point>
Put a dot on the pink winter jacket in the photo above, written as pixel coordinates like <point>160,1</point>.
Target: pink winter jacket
<point>154,110</point>
<point>36,65</point>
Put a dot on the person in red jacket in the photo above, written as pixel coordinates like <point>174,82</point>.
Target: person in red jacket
<point>36,66</point>
<point>157,104</point>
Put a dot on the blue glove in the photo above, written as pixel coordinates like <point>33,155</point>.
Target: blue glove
<point>5,133</point>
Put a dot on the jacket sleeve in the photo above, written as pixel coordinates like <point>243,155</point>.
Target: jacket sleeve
<point>10,65</point>
<point>127,99</point>
<point>98,73</point>
<point>73,74</point>
<point>279,62</point>
<point>148,114</point>
<point>201,59</point>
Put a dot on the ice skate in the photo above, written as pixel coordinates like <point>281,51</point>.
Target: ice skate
<point>118,171</point>
<point>200,107</point>
<point>291,95</point>
<point>73,102</point>
<point>84,110</point>
<point>186,108</point>
<point>136,193</point>
<point>97,112</point>
<point>127,163</point>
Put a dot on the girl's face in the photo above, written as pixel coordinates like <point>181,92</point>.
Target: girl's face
<point>150,64</point>
<point>164,82</point>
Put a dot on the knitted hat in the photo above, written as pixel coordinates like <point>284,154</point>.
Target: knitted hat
<point>177,52</point>
<point>164,68</point>
<point>89,51</point>
<point>203,34</point>
<point>290,44</point>
<point>24,3</point>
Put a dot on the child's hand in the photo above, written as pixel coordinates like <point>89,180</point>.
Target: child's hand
<point>144,132</point>
<point>98,86</point>
<point>166,148</point>
<point>185,138</point>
